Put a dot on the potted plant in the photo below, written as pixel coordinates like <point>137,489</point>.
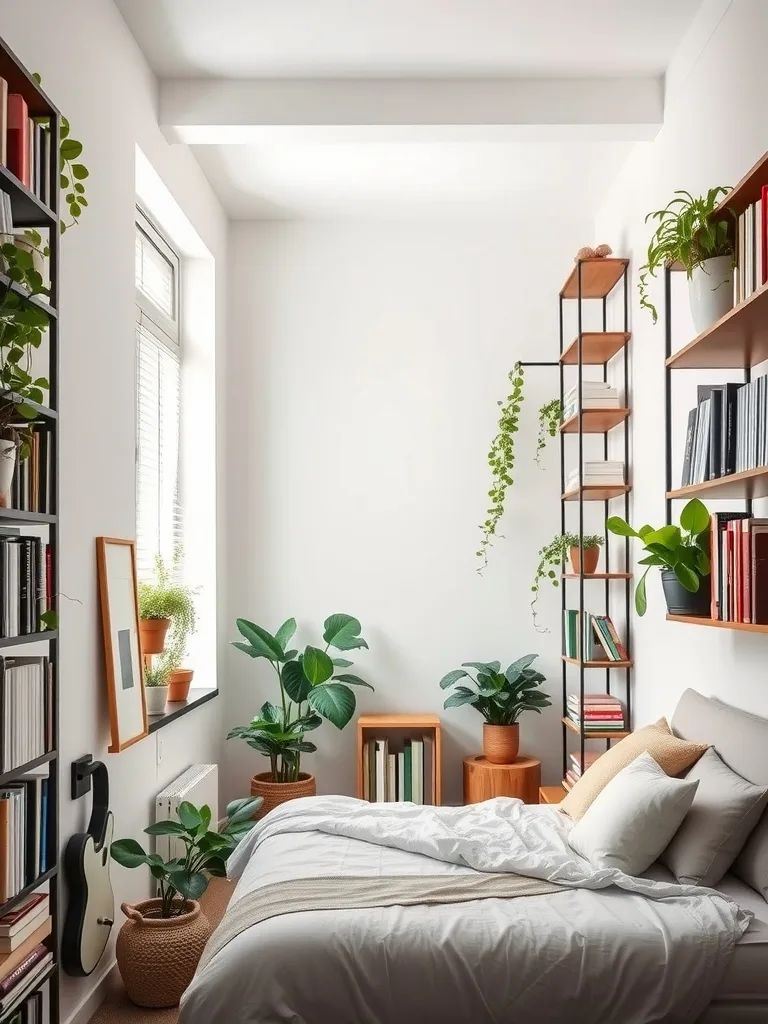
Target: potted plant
<point>179,678</point>
<point>310,690</point>
<point>160,944</point>
<point>682,554</point>
<point>500,697</point>
<point>552,557</point>
<point>687,232</point>
<point>162,600</point>
<point>156,685</point>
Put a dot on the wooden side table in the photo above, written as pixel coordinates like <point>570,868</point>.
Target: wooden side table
<point>483,780</point>
<point>551,794</point>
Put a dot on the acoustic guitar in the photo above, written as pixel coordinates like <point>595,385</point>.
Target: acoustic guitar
<point>91,909</point>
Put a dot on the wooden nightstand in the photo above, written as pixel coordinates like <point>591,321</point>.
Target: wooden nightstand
<point>551,794</point>
<point>483,780</point>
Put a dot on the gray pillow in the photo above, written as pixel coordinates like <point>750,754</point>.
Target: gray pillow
<point>724,811</point>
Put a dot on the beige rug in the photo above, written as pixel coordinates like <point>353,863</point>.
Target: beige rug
<point>118,1009</point>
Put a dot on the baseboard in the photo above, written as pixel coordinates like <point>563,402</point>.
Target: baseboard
<point>90,1004</point>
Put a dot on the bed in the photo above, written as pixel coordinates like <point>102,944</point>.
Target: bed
<point>582,948</point>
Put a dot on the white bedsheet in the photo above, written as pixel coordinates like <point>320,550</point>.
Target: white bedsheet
<point>610,949</point>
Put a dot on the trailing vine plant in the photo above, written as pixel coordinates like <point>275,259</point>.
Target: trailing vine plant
<point>552,559</point>
<point>550,415</point>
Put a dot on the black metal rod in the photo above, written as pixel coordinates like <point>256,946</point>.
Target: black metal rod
<point>582,614</point>
<point>668,390</point>
<point>627,582</point>
<point>563,604</point>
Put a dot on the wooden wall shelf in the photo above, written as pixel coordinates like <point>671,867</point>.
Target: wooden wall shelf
<point>752,483</point>
<point>748,190</point>
<point>597,347</point>
<point>598,492</point>
<point>609,734</point>
<point>696,620</point>
<point>598,278</point>
<point>598,576</point>
<point>594,421</point>
<point>397,728</point>
<point>597,664</point>
<point>738,339</point>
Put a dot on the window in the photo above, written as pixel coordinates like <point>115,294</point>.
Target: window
<point>158,398</point>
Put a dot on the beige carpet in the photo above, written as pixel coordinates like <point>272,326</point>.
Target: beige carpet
<point>117,1007</point>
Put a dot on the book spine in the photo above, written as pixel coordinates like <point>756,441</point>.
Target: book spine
<point>18,138</point>
<point>746,570</point>
<point>26,965</point>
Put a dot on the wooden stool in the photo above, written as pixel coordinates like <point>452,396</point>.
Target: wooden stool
<point>483,780</point>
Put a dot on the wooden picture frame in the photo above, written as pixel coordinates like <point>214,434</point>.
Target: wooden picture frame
<point>118,593</point>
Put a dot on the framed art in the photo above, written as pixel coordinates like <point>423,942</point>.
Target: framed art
<point>118,591</point>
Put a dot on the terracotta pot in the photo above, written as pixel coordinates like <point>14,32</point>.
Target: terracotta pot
<point>178,684</point>
<point>501,743</point>
<point>591,558</point>
<point>276,793</point>
<point>152,635</point>
<point>158,956</point>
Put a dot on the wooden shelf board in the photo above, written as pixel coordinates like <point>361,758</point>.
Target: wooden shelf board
<point>597,347</point>
<point>598,278</point>
<point>736,340</point>
<point>598,576</point>
<point>597,664</point>
<point>550,794</point>
<point>598,492</point>
<point>398,722</point>
<point>697,620</point>
<point>746,192</point>
<point>592,735</point>
<point>594,421</point>
<point>752,483</point>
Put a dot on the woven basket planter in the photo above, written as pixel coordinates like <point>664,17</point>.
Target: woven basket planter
<point>501,743</point>
<point>152,635</point>
<point>276,793</point>
<point>158,956</point>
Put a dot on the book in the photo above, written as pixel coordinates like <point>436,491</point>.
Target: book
<point>429,779</point>
<point>391,789</point>
<point>417,769</point>
<point>3,122</point>
<point>401,776</point>
<point>10,961</point>
<point>408,763</point>
<point>760,575</point>
<point>380,792</point>
<point>25,983</point>
<point>12,942</point>
<point>17,138</point>
<point>685,477</point>
<point>764,234</point>
<point>11,922</point>
<point>719,571</point>
<point>367,770</point>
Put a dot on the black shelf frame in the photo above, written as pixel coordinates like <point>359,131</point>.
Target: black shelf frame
<point>29,212</point>
<point>580,298</point>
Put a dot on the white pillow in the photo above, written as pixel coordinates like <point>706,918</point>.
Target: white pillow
<point>632,820</point>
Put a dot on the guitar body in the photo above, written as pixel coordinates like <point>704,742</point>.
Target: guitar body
<point>91,909</point>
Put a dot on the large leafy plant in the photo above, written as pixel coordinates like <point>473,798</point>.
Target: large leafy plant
<point>206,853</point>
<point>683,549</point>
<point>500,696</point>
<point>311,689</point>
<point>685,233</point>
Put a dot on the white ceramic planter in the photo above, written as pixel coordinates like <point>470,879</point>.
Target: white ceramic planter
<point>156,698</point>
<point>7,466</point>
<point>710,290</point>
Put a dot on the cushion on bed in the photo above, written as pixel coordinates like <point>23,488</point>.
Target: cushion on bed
<point>741,741</point>
<point>725,810</point>
<point>671,754</point>
<point>633,818</point>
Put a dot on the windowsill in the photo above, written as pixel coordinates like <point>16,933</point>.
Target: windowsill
<point>181,707</point>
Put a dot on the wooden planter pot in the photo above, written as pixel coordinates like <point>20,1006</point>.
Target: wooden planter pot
<point>152,634</point>
<point>179,682</point>
<point>591,558</point>
<point>276,793</point>
<point>501,743</point>
<point>158,956</point>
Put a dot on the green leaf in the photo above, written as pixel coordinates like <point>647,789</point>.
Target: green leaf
<point>333,701</point>
<point>318,666</point>
<point>189,816</point>
<point>286,631</point>
<point>353,680</point>
<point>271,713</point>
<point>80,189</point>
<point>63,181</point>
<point>641,600</point>
<point>342,662</point>
<point>483,666</point>
<point>243,809</point>
<point>50,619</point>
<point>667,536</point>
<point>343,632</point>
<point>165,828</point>
<point>247,649</point>
<point>205,815</point>
<point>263,642</point>
<point>461,695</point>
<point>128,853</point>
<point>695,518</point>
<point>70,149</point>
<point>519,666</point>
<point>620,527</point>
<point>451,677</point>
<point>79,171</point>
<point>687,577</point>
<point>191,887</point>
<point>296,684</point>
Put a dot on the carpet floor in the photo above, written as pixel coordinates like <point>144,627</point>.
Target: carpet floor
<point>117,1007</point>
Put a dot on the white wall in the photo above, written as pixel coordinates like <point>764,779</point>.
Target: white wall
<point>93,69</point>
<point>364,365</point>
<point>714,130</point>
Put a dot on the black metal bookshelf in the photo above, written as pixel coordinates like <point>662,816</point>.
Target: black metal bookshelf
<point>30,212</point>
<point>593,280</point>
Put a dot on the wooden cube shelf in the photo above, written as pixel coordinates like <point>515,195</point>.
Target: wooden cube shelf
<point>397,729</point>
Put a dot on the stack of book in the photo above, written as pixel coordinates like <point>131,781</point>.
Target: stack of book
<point>601,713</point>
<point>751,249</point>
<point>574,772</point>
<point>595,394</point>
<point>598,640</point>
<point>25,144</point>
<point>26,710</point>
<point>739,578</point>
<point>31,488</point>
<point>597,474</point>
<point>24,957</point>
<point>26,582</point>
<point>727,431</point>
<point>23,834</point>
<point>402,775</point>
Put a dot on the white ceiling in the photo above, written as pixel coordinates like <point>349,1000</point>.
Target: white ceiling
<point>262,38</point>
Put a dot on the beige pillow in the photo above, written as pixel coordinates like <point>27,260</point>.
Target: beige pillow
<point>670,753</point>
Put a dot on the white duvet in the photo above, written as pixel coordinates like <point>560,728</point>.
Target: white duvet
<point>608,948</point>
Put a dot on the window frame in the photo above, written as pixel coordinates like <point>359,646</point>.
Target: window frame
<point>168,326</point>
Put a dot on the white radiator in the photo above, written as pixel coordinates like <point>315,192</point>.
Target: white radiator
<point>198,784</point>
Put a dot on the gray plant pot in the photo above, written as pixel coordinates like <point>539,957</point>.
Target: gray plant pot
<point>681,601</point>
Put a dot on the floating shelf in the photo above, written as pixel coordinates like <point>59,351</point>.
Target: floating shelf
<point>598,278</point>
<point>15,515</point>
<point>43,411</point>
<point>738,339</point>
<point>29,638</point>
<point>9,285</point>
<point>598,492</point>
<point>16,773</point>
<point>178,708</point>
<point>28,211</point>
<point>597,664</point>
<point>748,191</point>
<point>14,901</point>
<point>597,347</point>
<point>594,421</point>
<point>598,576</point>
<point>752,483</point>
<point>607,734</point>
<point>700,620</point>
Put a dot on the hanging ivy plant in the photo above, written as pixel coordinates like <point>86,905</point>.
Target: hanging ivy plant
<point>551,561</point>
<point>501,459</point>
<point>550,415</point>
